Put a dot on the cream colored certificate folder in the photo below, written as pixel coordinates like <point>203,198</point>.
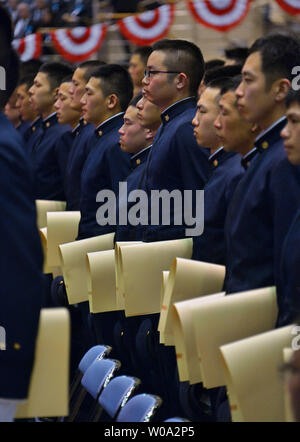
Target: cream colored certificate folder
<point>49,384</point>
<point>119,275</point>
<point>188,279</point>
<point>142,265</point>
<point>164,280</point>
<point>44,206</point>
<point>74,264</point>
<point>43,236</point>
<point>289,415</point>
<point>102,281</point>
<point>62,228</point>
<point>184,337</point>
<point>234,317</point>
<point>253,381</point>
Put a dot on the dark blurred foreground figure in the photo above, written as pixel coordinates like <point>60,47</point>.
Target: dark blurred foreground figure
<point>21,257</point>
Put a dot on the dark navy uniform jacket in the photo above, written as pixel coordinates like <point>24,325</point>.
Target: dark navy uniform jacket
<point>32,134</point>
<point>63,147</point>
<point>104,168</point>
<point>288,287</point>
<point>227,170</point>
<point>21,261</point>
<point>260,213</point>
<point>48,179</point>
<point>176,162</point>
<point>138,163</point>
<point>76,159</point>
<point>23,127</point>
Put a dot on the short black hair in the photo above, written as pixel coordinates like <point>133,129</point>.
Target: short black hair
<point>221,72</point>
<point>67,79</point>
<point>115,80</point>
<point>55,72</point>
<point>231,84</point>
<point>134,101</point>
<point>184,56</point>
<point>218,83</point>
<point>238,54</point>
<point>293,96</point>
<point>89,66</point>
<point>215,63</point>
<point>279,54</point>
<point>143,52</point>
<point>27,79</point>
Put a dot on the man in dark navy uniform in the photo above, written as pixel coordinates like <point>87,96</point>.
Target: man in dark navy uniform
<point>27,112</point>
<point>48,180</point>
<point>174,70</point>
<point>265,200</point>
<point>83,132</point>
<point>21,257</point>
<point>108,93</point>
<point>225,161</point>
<point>68,116</point>
<point>288,286</point>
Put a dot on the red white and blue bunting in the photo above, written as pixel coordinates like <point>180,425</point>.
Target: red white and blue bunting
<point>28,47</point>
<point>221,15</point>
<point>290,6</point>
<point>148,27</point>
<point>78,44</point>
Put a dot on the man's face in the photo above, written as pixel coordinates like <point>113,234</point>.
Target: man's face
<point>93,102</point>
<point>11,110</point>
<point>232,129</point>
<point>65,113</point>
<point>255,98</point>
<point>42,97</point>
<point>159,88</point>
<point>77,88</point>
<point>136,69</point>
<point>23,104</point>
<point>132,134</point>
<point>291,133</point>
<point>148,114</point>
<point>203,122</point>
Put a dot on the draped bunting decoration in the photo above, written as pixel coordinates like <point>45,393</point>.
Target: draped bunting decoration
<point>78,44</point>
<point>28,47</point>
<point>220,15</point>
<point>148,27</point>
<point>290,6</point>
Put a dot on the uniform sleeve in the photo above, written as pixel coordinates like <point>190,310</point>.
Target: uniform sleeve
<point>20,273</point>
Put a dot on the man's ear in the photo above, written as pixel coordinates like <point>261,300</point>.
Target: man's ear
<point>55,94</point>
<point>181,81</point>
<point>149,134</point>
<point>112,101</point>
<point>281,88</point>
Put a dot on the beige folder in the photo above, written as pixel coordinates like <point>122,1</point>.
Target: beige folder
<point>184,337</point>
<point>141,266</point>
<point>289,415</point>
<point>118,274</point>
<point>164,280</point>
<point>188,279</point>
<point>74,264</point>
<point>254,385</point>
<point>234,317</point>
<point>48,394</point>
<point>43,236</point>
<point>62,228</point>
<point>44,206</point>
<point>102,281</point>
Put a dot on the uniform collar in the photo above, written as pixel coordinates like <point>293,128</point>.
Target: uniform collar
<point>246,160</point>
<point>36,123</point>
<point>270,136</point>
<point>140,157</point>
<point>176,109</point>
<point>219,157</point>
<point>108,124</point>
<point>50,121</point>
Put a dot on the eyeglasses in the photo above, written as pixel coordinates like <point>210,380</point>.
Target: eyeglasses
<point>148,72</point>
